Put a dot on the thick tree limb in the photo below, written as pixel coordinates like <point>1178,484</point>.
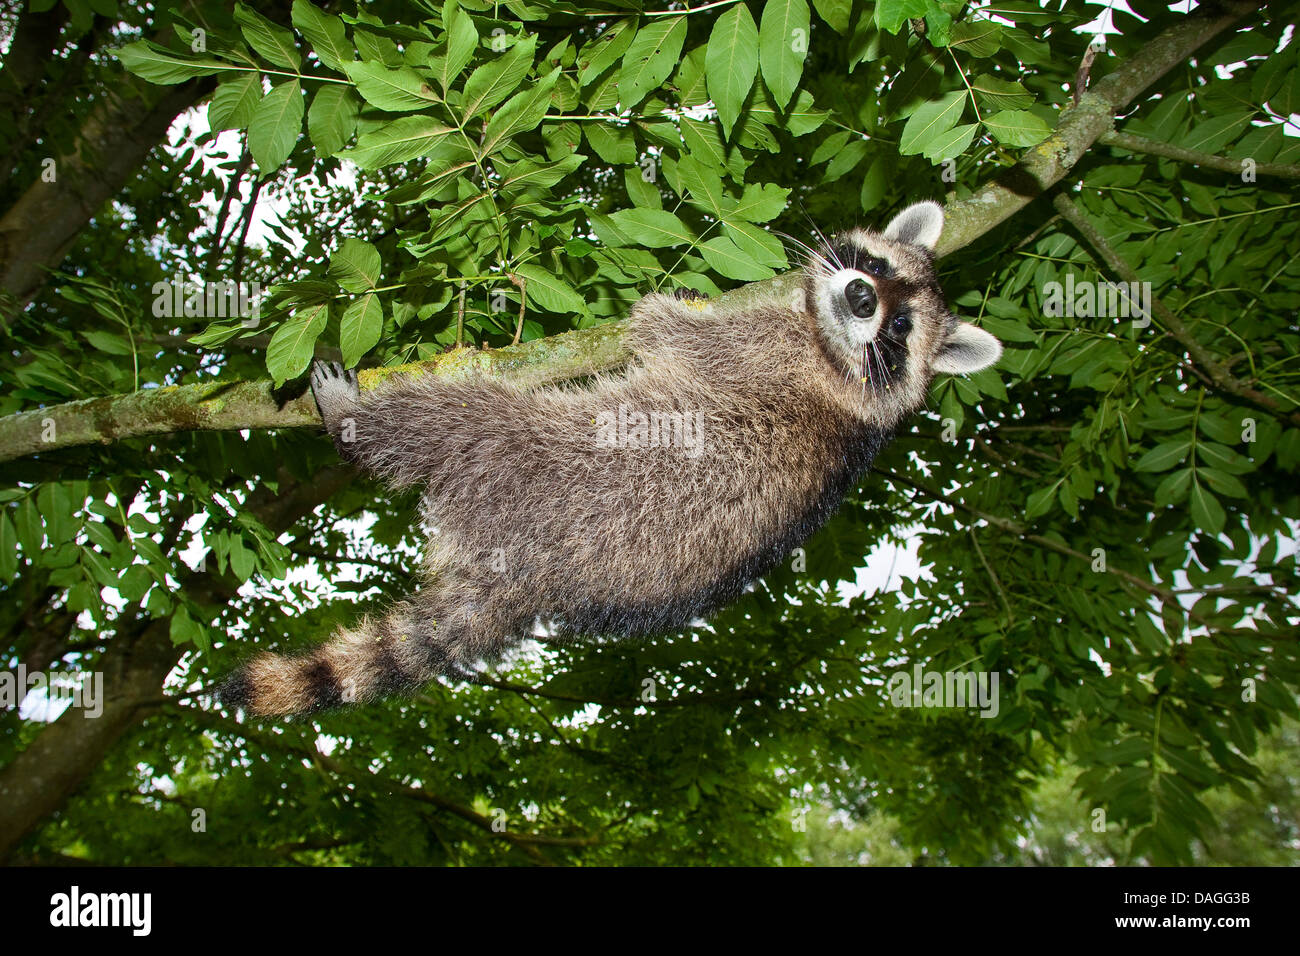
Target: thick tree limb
<point>42,226</point>
<point>575,354</point>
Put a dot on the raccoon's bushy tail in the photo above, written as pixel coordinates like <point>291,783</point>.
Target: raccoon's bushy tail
<point>398,653</point>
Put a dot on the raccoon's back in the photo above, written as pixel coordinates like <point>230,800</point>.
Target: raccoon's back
<point>607,528</point>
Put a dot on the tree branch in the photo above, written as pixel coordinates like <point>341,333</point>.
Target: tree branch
<point>1141,144</point>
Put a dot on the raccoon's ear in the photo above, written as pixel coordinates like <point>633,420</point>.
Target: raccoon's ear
<point>967,349</point>
<point>919,224</point>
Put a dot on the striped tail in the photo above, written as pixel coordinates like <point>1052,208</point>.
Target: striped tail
<point>393,655</point>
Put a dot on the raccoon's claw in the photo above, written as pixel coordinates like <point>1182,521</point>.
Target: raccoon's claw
<point>334,388</point>
<point>688,295</point>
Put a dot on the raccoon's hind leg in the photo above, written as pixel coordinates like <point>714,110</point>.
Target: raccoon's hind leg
<point>446,632</point>
<point>337,395</point>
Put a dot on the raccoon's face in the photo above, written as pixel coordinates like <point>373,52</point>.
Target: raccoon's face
<point>883,319</point>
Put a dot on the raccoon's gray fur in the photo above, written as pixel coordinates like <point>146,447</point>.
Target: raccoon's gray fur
<point>555,504</point>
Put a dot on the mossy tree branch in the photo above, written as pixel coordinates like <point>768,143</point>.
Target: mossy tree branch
<point>574,354</point>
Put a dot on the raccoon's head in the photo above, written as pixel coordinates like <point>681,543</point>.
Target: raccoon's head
<point>882,317</point>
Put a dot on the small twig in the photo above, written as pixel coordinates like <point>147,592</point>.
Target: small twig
<point>1085,68</point>
<point>245,160</point>
<point>520,283</point>
<point>997,585</point>
<point>460,317</point>
<point>1154,147</point>
<point>238,268</point>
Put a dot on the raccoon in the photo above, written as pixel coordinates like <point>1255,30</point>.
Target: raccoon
<point>639,501</point>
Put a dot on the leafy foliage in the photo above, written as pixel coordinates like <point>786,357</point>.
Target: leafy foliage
<point>1095,520</point>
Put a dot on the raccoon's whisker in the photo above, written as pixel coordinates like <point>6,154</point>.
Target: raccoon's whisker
<point>799,243</point>
<point>812,260</point>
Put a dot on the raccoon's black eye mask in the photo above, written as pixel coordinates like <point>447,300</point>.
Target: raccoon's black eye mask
<point>849,256</point>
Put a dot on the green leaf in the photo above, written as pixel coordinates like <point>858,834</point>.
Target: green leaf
<point>874,184</point>
<point>783,37</point>
<point>1164,456</point>
<point>1216,132</point>
<point>243,561</point>
<point>235,101</point>
<point>931,121</point>
<point>462,41</point>
<point>523,111</point>
<point>601,53</point>
<point>272,41</point>
<point>1222,482</point>
<point>158,65</point>
<point>8,548</point>
<point>731,63</point>
<point>1173,488</point>
<point>724,256</point>
<point>1206,510</point>
<point>835,12</point>
<point>650,59</point>
<point>528,173</point>
<point>98,569</point>
<point>951,144</point>
<point>274,128</point>
<point>1040,501</point>
<point>829,147</point>
<point>995,93</point>
<point>108,342</point>
<point>652,228</point>
<point>184,629</point>
<point>291,347</point>
<point>846,159</point>
<point>760,203</point>
<point>332,119</point>
<point>890,14</point>
<point>703,185</point>
<point>398,141</point>
<point>397,91</point>
<point>493,82</point>
<point>1017,128</point>
<point>325,33</point>
<point>616,145</point>
<point>979,38</point>
<point>1222,457</point>
<point>356,265</point>
<point>549,291</point>
<point>801,119</point>
<point>360,328</point>
<point>757,243</point>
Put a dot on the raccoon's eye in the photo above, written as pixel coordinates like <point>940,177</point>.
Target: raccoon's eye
<point>901,324</point>
<point>874,266</point>
<point>861,298</point>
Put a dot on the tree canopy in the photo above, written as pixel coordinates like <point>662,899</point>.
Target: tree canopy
<point>1106,520</point>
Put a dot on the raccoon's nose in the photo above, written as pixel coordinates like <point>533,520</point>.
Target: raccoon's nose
<point>861,298</point>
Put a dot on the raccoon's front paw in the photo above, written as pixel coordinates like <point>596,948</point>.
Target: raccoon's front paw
<point>335,390</point>
<point>688,295</point>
